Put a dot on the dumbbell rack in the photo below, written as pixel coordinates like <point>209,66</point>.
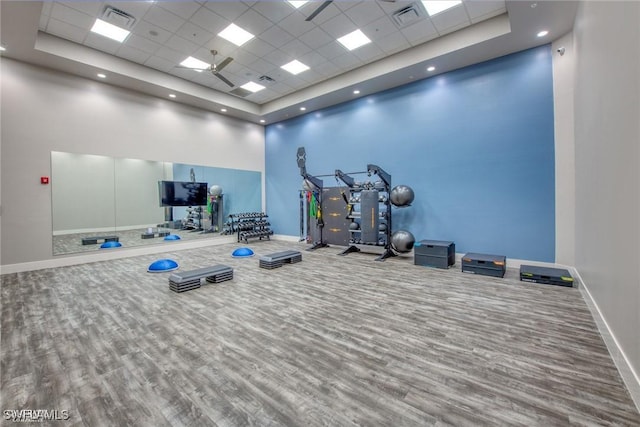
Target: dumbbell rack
<point>251,225</point>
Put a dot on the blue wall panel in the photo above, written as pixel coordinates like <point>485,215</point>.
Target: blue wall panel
<point>476,145</point>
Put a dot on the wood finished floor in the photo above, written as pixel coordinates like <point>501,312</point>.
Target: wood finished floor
<point>329,341</point>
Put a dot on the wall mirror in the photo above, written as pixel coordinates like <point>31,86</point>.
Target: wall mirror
<point>96,199</point>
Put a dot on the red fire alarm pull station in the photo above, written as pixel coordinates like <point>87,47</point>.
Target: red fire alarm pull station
<point>44,180</point>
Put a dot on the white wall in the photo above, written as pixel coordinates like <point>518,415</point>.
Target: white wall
<point>607,137</point>
<point>44,111</point>
<point>563,96</point>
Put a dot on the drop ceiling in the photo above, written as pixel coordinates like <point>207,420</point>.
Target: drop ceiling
<point>405,40</point>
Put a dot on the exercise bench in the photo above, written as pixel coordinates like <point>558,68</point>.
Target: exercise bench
<point>278,259</point>
<point>188,280</point>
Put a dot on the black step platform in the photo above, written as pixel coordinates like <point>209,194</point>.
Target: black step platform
<point>434,253</point>
<point>152,235</point>
<point>484,264</point>
<point>188,280</point>
<point>278,259</point>
<point>546,275</point>
<point>93,240</point>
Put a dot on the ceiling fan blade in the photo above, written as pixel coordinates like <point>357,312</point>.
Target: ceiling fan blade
<point>224,79</point>
<point>191,68</point>
<point>318,10</point>
<point>224,63</point>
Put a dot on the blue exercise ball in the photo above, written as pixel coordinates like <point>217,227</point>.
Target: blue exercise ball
<point>109,245</point>
<point>162,265</point>
<point>242,253</point>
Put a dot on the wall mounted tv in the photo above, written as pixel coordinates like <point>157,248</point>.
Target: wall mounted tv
<point>179,193</point>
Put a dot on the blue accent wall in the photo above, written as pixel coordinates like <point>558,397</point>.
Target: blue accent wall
<point>475,144</point>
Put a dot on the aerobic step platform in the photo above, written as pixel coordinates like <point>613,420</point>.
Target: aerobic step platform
<point>278,259</point>
<point>546,275</point>
<point>188,280</point>
<point>484,264</point>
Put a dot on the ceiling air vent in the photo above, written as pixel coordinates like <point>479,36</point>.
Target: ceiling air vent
<point>407,16</point>
<point>118,17</point>
<point>266,79</point>
<point>240,92</point>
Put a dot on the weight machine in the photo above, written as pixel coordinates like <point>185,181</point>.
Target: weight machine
<point>316,185</point>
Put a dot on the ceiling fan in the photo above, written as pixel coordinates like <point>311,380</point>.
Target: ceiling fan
<point>326,3</point>
<point>216,68</point>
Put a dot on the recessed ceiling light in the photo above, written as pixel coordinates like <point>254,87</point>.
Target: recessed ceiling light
<point>431,68</point>
<point>295,67</point>
<point>543,33</point>
<point>195,63</point>
<point>435,7</point>
<point>109,30</point>
<point>236,35</point>
<point>303,108</point>
<point>224,110</point>
<point>534,5</point>
<point>354,40</point>
<point>262,120</point>
<point>102,76</point>
<point>2,48</point>
<point>297,4</point>
<point>172,95</point>
<point>356,92</point>
<point>252,87</point>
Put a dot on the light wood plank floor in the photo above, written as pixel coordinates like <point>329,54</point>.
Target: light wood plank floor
<point>329,341</point>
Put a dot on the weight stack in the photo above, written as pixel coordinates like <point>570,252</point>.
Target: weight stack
<point>369,216</point>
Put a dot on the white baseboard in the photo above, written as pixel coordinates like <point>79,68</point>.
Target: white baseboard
<point>114,253</point>
<point>629,376</point>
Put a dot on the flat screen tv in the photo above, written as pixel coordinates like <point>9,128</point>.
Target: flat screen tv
<point>179,193</point>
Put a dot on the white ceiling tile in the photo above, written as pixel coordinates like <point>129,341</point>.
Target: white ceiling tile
<point>422,29</point>
<point>326,69</point>
<point>72,16</point>
<point>390,7</point>
<point>295,24</point>
<point>312,59</point>
<point>326,14</point>
<point>66,31</point>
<point>331,50</point>
<point>274,11</point>
<point>253,22</point>
<point>176,56</point>
<point>339,26</point>
<point>380,28</point>
<point>91,8</point>
<point>451,18</point>
<point>160,64</point>
<point>296,48</point>
<point>164,19</point>
<point>145,29</point>
<point>393,43</point>
<point>276,36</point>
<point>184,9</point>
<point>479,8</point>
<point>209,21</point>
<point>181,45</point>
<point>316,38</point>
<point>364,13</point>
<point>369,53</point>
<point>142,43</point>
<point>195,34</point>
<point>132,54</point>
<point>310,76</point>
<point>264,67</point>
<point>279,58</point>
<point>99,42</point>
<point>245,58</point>
<point>259,47</point>
<point>346,5</point>
<point>280,87</point>
<point>227,9</point>
<point>347,61</point>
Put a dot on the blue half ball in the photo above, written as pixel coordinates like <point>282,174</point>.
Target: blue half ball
<point>162,265</point>
<point>108,245</point>
<point>242,253</point>
<point>172,237</point>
